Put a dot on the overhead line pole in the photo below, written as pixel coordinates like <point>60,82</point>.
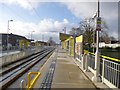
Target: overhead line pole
<point>96,77</point>
<point>8,35</point>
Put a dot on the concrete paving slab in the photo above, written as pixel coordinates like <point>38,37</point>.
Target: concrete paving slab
<point>71,85</point>
<point>90,75</point>
<point>43,70</point>
<point>68,75</point>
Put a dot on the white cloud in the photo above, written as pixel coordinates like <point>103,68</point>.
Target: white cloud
<point>52,25</point>
<point>69,0</point>
<point>26,4</point>
<point>44,27</point>
<point>108,10</point>
<point>81,9</point>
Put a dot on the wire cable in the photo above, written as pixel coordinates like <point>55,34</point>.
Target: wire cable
<point>14,12</point>
<point>34,9</point>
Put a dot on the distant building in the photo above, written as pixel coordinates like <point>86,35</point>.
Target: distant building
<point>13,40</point>
<point>113,44</point>
<point>41,43</point>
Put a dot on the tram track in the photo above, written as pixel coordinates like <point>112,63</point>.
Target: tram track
<point>18,63</point>
<point>18,70</point>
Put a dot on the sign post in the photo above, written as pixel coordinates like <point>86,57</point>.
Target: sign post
<point>96,77</point>
<point>98,27</point>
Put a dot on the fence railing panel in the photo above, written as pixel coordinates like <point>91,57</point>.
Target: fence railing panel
<point>112,72</point>
<point>91,61</point>
<point>109,69</point>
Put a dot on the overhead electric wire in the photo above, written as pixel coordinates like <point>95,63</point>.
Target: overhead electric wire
<point>14,12</point>
<point>19,16</point>
<point>34,9</point>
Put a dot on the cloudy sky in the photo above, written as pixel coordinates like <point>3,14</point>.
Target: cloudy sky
<point>47,18</point>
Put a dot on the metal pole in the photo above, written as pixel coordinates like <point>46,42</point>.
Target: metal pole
<point>7,35</point>
<point>74,45</point>
<point>43,37</point>
<point>93,40</point>
<point>65,30</point>
<point>96,77</point>
<point>97,47</point>
<point>31,35</point>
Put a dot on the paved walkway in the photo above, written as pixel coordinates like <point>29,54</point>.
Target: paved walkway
<point>66,74</point>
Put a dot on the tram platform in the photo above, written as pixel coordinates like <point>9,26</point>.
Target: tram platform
<point>64,73</point>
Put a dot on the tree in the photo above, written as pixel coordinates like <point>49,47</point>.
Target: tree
<point>104,26</point>
<point>112,38</point>
<point>76,31</point>
<point>104,37</point>
<point>88,27</point>
<point>51,41</point>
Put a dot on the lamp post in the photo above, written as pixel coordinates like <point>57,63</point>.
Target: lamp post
<point>64,30</point>
<point>94,29</point>
<point>31,34</point>
<point>43,37</point>
<point>96,77</point>
<point>8,33</point>
<point>93,41</point>
<point>74,43</point>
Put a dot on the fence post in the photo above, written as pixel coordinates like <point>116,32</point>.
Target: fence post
<point>86,62</point>
<point>103,70</point>
<point>83,61</point>
<point>118,81</point>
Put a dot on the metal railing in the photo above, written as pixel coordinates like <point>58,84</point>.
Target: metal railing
<point>111,73</point>
<point>31,83</point>
<point>109,69</point>
<point>91,61</point>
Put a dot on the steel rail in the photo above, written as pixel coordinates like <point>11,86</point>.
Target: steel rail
<point>21,72</point>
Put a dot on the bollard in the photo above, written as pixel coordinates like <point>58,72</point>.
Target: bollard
<point>23,84</point>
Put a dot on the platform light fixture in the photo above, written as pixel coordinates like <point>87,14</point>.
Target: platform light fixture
<point>8,32</point>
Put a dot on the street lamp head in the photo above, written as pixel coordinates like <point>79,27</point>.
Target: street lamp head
<point>94,16</point>
<point>10,20</point>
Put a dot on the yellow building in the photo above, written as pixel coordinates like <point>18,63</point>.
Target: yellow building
<point>67,43</point>
<point>79,46</point>
<point>24,43</point>
<point>41,43</point>
<point>73,46</point>
<point>63,37</point>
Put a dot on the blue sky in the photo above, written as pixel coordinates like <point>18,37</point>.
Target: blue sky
<point>43,17</point>
<point>52,10</point>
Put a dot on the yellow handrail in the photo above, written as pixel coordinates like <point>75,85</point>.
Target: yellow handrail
<point>106,57</point>
<point>32,82</point>
<point>114,59</point>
